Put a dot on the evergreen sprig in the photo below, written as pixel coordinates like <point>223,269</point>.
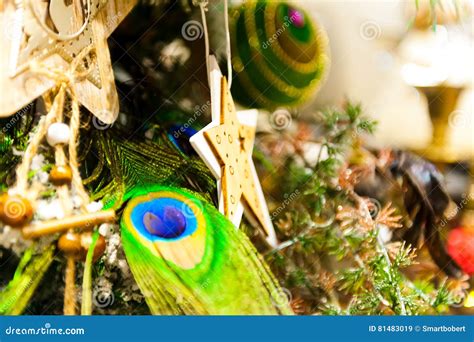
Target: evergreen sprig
<point>333,257</point>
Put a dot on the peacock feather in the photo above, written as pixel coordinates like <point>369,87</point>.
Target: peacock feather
<point>121,164</point>
<point>15,297</point>
<point>187,258</point>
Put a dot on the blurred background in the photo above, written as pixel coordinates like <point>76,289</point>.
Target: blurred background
<point>413,71</point>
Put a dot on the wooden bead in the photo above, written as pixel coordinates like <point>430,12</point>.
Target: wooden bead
<point>58,133</point>
<point>15,210</point>
<point>86,240</point>
<point>70,245</point>
<point>77,245</point>
<point>60,175</point>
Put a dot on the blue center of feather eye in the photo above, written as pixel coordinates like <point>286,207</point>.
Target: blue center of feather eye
<point>163,219</point>
<point>170,224</point>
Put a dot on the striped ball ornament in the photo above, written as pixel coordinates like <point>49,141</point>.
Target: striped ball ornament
<point>279,55</point>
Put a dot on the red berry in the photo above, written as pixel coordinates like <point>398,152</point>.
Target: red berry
<point>461,248</point>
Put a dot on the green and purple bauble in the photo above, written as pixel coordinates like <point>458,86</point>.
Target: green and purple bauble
<point>279,55</point>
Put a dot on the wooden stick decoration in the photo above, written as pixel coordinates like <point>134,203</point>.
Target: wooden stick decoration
<point>72,64</point>
<point>70,287</point>
<point>84,222</point>
<point>16,206</point>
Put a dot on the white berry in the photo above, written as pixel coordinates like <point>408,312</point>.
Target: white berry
<point>58,133</point>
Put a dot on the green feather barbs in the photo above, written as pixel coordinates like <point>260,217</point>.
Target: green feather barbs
<point>187,258</point>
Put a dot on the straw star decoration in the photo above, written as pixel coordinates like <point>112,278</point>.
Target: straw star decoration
<point>226,146</point>
<point>27,39</point>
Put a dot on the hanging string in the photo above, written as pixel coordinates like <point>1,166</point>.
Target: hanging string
<point>60,159</point>
<point>227,38</point>
<point>33,146</point>
<point>59,36</point>
<point>65,81</point>
<point>203,8</point>
<point>74,124</point>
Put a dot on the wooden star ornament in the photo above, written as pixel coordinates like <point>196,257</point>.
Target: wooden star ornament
<point>54,33</point>
<point>226,146</point>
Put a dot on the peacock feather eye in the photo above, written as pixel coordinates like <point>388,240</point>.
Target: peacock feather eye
<point>187,258</point>
<point>157,217</point>
<point>170,224</point>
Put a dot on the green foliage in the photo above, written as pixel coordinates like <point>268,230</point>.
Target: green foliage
<point>14,133</point>
<point>331,244</point>
<point>444,297</point>
<point>352,280</point>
